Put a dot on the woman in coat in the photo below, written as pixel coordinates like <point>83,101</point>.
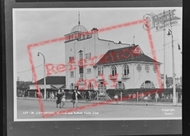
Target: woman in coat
<point>58,101</point>
<point>74,98</point>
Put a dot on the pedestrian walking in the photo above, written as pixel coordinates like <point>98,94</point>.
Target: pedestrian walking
<point>90,94</point>
<point>52,97</point>
<point>116,97</point>
<point>58,101</point>
<point>156,97</point>
<point>63,98</point>
<point>87,95</point>
<point>146,98</point>
<point>75,98</point>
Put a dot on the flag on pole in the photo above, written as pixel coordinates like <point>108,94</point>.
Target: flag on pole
<point>179,47</point>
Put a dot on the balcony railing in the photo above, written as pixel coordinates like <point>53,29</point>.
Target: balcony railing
<point>113,77</point>
<point>100,77</point>
<point>125,76</point>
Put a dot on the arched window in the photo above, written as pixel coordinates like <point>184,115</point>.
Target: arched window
<point>90,86</point>
<point>125,70</point>
<point>99,70</point>
<point>113,70</point>
<point>147,84</point>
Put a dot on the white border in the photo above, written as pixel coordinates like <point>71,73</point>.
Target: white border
<point>75,119</point>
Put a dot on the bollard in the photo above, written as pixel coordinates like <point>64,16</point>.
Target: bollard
<point>137,96</point>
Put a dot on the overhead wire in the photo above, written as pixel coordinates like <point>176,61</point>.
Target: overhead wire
<point>29,69</point>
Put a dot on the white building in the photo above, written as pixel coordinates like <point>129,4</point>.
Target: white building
<point>106,64</point>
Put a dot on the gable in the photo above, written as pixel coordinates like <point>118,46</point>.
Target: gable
<point>132,53</point>
<point>137,51</point>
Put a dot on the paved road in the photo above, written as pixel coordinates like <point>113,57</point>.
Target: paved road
<point>30,109</point>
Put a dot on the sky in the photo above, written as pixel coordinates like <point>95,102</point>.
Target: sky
<point>36,25</point>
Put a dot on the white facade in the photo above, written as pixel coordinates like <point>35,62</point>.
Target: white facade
<point>134,79</point>
<point>93,50</point>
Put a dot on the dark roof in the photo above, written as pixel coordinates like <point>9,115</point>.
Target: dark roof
<point>126,54</point>
<point>53,80</point>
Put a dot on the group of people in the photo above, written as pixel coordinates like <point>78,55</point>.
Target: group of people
<point>60,98</point>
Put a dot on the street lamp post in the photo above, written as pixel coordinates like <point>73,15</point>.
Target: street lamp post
<point>81,68</point>
<point>173,68</point>
<point>39,53</point>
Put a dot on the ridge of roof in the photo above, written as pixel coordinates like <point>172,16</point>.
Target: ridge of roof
<point>113,41</point>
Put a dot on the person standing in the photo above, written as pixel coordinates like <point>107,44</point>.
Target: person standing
<point>63,98</point>
<point>58,101</point>
<point>116,98</point>
<point>90,94</point>
<point>156,96</point>
<point>87,95</point>
<point>75,98</point>
<point>52,97</point>
<point>146,98</point>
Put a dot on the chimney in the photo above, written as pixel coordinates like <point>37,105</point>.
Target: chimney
<point>94,32</point>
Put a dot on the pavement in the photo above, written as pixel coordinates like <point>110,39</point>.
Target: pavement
<point>120,102</point>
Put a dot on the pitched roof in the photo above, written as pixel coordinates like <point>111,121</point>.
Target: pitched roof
<point>126,54</point>
<point>53,80</point>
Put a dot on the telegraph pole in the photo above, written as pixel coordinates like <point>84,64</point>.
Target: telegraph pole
<point>164,54</point>
<point>173,65</point>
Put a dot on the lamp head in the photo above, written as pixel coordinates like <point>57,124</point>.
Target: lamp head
<point>38,54</point>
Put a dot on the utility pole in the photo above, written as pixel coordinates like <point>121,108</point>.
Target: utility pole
<point>164,55</point>
<point>173,65</point>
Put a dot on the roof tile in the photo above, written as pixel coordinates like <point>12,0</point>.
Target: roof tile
<point>131,53</point>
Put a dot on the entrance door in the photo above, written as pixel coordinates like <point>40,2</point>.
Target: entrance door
<point>102,88</point>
